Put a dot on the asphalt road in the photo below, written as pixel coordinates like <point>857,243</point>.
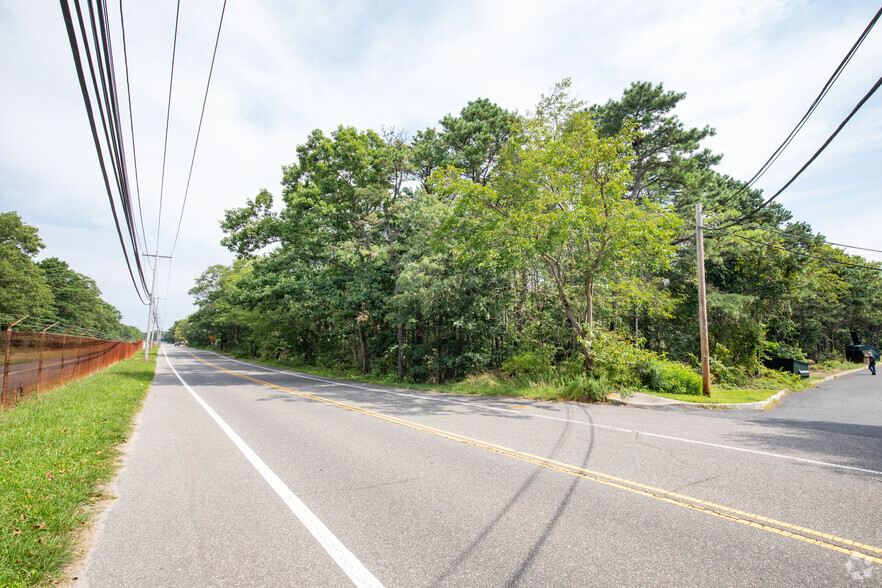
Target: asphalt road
<point>253,476</point>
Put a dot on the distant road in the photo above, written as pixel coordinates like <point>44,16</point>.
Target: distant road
<point>243,475</point>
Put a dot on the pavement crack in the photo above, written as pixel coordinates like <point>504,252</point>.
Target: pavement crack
<point>706,479</point>
<point>668,452</point>
<point>358,488</point>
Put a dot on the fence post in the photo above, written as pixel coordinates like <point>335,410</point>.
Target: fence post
<point>63,345</point>
<point>78,367</point>
<point>90,355</point>
<point>42,348</point>
<point>6,359</point>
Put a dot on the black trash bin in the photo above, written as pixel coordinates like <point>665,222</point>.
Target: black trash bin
<point>788,364</point>
<point>858,353</point>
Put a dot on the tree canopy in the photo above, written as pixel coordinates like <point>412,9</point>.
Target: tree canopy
<point>23,289</point>
<point>555,242</point>
<point>50,289</point>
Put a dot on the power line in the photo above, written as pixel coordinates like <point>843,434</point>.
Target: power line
<point>171,79</point>
<point>786,234</point>
<point>808,113</point>
<point>109,111</point>
<point>812,159</point>
<point>75,51</point>
<point>111,95</point>
<point>122,25</point>
<point>199,129</point>
<point>773,246</point>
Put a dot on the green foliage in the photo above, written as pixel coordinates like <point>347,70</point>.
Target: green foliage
<point>485,384</point>
<point>23,289</point>
<point>77,301</point>
<point>766,379</point>
<point>552,249</point>
<point>775,349</point>
<point>535,361</point>
<point>557,204</point>
<point>668,157</point>
<point>669,377</point>
<point>721,373</point>
<point>471,143</point>
<point>616,358</point>
<point>50,289</point>
<point>584,388</point>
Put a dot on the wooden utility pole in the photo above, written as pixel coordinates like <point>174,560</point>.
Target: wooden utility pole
<point>702,303</point>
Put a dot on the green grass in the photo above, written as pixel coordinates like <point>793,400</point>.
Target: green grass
<point>762,388</point>
<point>756,389</point>
<point>723,396</point>
<point>56,451</point>
<point>485,384</point>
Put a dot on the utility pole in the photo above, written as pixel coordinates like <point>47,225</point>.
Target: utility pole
<point>702,303</point>
<point>155,257</point>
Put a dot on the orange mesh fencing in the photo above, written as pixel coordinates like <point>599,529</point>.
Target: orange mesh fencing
<point>34,362</point>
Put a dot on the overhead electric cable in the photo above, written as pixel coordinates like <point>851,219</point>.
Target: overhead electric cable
<point>74,46</point>
<point>857,107</point>
<point>109,111</point>
<point>122,25</point>
<point>758,242</point>
<point>111,94</point>
<point>199,129</point>
<point>836,73</point>
<point>171,79</point>
<point>786,234</point>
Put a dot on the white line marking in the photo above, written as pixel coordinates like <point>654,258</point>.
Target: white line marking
<point>566,420</point>
<point>353,568</point>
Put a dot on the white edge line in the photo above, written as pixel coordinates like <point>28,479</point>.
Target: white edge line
<point>553,418</point>
<point>344,558</point>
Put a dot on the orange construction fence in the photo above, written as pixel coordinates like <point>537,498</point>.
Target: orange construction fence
<point>34,362</point>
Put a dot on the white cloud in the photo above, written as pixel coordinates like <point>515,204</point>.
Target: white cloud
<point>750,70</point>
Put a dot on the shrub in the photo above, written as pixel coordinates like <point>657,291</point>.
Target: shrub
<point>485,384</point>
<point>721,373</point>
<point>586,388</point>
<point>767,379</point>
<point>774,349</point>
<point>669,376</point>
<point>616,358</point>
<point>535,361</point>
<point>417,373</point>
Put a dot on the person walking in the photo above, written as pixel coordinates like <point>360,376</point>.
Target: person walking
<point>872,363</point>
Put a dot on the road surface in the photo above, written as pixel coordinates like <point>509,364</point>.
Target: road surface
<point>243,475</point>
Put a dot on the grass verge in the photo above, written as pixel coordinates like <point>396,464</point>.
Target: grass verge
<point>56,451</point>
<point>486,384</point>
<point>756,390</point>
<point>723,396</point>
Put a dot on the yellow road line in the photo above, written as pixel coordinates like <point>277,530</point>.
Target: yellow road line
<point>782,528</point>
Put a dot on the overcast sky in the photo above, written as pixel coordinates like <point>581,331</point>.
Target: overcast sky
<point>749,68</point>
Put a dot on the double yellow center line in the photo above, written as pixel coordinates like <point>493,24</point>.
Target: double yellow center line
<point>818,538</point>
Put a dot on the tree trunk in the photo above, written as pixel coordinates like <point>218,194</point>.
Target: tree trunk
<point>400,351</point>
<point>636,325</point>
<point>582,333</point>
<point>522,301</point>
<point>365,356</point>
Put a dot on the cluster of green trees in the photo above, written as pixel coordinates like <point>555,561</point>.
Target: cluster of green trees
<point>49,289</point>
<point>559,241</point>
